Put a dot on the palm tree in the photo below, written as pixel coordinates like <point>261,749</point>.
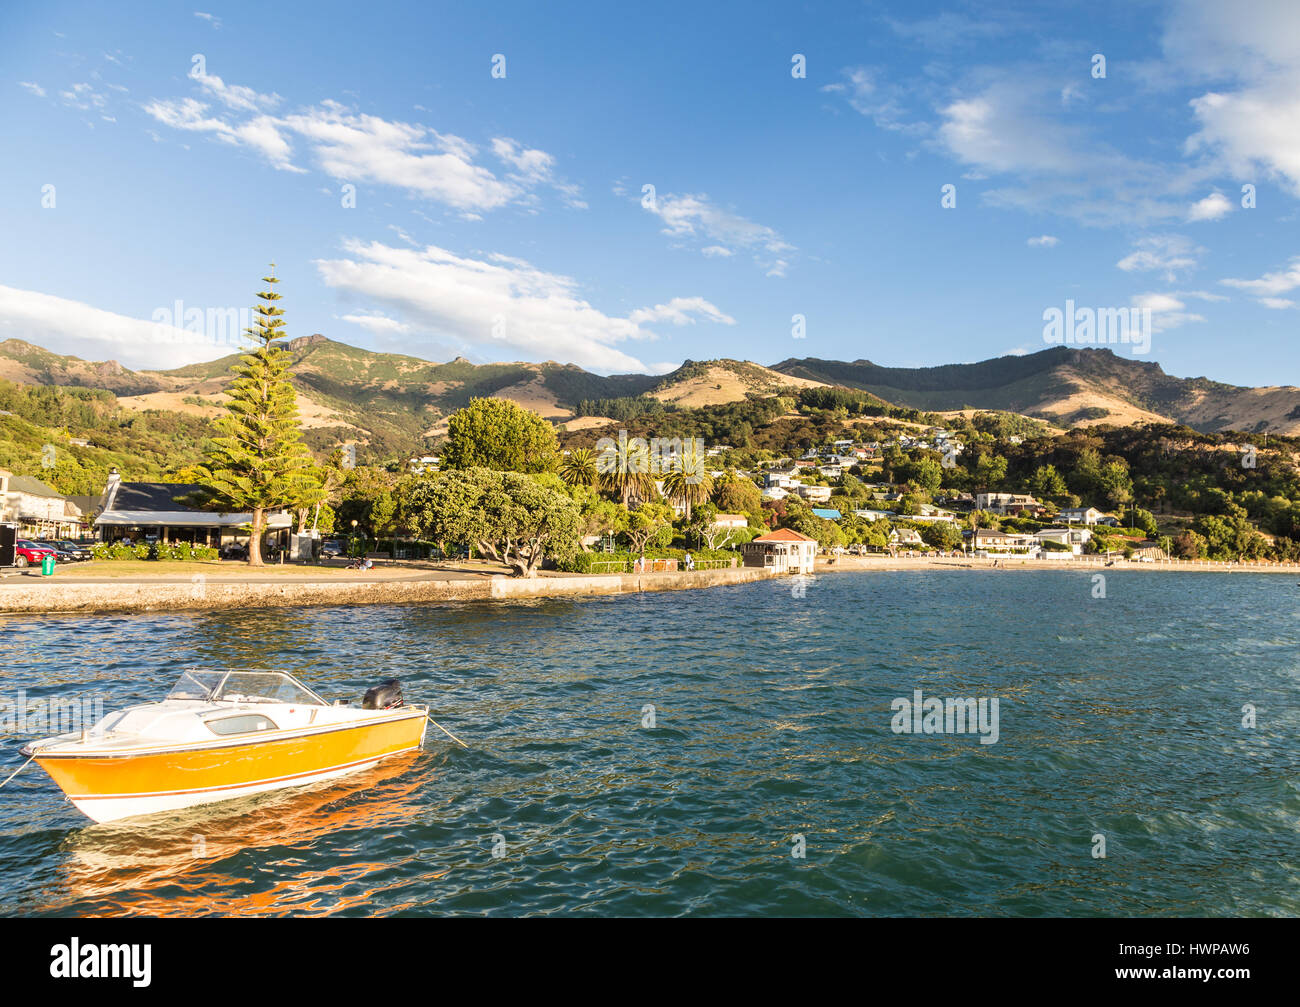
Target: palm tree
<point>579,468</point>
<point>625,471</point>
<point>688,482</point>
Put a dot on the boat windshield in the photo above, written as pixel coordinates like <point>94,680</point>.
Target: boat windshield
<point>244,687</point>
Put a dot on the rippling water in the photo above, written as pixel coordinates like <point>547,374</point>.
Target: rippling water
<point>1118,716</point>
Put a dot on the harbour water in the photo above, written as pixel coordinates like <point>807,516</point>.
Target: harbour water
<point>729,751</point>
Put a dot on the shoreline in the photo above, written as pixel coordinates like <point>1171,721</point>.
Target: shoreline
<point>394,585</point>
<point>73,597</point>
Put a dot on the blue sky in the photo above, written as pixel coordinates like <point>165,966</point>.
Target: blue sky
<point>505,217</point>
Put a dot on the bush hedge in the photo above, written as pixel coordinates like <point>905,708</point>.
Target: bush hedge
<point>153,550</point>
<point>621,561</point>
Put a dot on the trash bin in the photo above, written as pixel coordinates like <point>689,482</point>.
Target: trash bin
<point>47,565</point>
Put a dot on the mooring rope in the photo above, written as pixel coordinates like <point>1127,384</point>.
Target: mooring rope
<point>447,732</point>
<point>20,769</point>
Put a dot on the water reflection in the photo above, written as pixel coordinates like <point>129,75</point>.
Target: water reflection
<point>138,867</point>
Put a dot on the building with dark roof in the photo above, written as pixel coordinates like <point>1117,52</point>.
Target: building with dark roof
<point>149,512</point>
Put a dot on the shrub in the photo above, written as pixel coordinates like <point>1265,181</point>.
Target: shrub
<point>155,550</point>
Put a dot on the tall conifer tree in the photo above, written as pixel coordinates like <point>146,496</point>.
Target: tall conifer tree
<point>258,462</point>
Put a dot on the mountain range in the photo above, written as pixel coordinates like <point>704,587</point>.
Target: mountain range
<point>349,393</point>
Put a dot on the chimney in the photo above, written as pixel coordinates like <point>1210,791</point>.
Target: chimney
<point>110,489</point>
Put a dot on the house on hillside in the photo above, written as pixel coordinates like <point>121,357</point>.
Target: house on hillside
<point>784,550</point>
<point>985,540</point>
<point>1081,515</point>
<point>1074,538</point>
<point>815,494</point>
<point>1008,503</point>
<point>151,512</point>
<point>730,521</point>
<point>930,513</point>
<point>906,538</point>
<point>40,511</point>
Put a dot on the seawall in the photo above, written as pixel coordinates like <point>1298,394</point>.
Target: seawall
<point>143,596</point>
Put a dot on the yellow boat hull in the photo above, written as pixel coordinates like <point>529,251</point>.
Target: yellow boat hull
<point>124,784</point>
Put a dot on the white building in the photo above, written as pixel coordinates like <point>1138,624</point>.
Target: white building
<point>38,510</point>
<point>784,550</point>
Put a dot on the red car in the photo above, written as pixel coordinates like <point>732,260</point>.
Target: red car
<point>26,552</point>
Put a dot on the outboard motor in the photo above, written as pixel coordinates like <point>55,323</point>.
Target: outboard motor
<point>387,695</point>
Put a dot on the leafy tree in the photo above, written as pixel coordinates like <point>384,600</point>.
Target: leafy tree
<point>515,518</point>
<point>942,535</point>
<point>734,495</point>
<point>596,515</point>
<point>647,525</point>
<point>499,434</point>
<point>990,471</point>
<point>1142,519</point>
<point>366,496</point>
<point>258,462</point>
<point>1047,483</point>
<point>1189,545</point>
<point>827,533</point>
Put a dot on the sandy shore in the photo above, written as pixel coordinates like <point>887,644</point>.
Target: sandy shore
<point>1095,564</point>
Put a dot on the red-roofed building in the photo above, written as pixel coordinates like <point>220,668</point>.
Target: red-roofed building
<point>784,550</point>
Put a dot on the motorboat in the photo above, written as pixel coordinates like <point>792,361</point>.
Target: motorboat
<point>221,735</point>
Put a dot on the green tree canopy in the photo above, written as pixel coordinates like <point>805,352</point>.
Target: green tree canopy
<point>515,518</point>
<point>499,434</point>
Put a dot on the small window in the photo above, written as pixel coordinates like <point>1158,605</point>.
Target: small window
<point>243,724</point>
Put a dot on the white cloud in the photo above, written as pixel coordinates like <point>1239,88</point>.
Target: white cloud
<point>1044,241</point>
<point>1212,207</point>
<point>1267,287</point>
<point>682,311</point>
<point>1249,121</point>
<point>356,147</point>
<point>716,252</point>
<point>379,324</point>
<point>34,88</point>
<point>211,19</point>
<point>1169,253</point>
<point>1271,283</point>
<point>84,97</point>
<point>882,103</point>
<point>1167,311</point>
<point>499,301</point>
<point>1012,123</point>
<point>262,134</point>
<point>65,326</point>
<point>695,216</point>
<point>235,96</point>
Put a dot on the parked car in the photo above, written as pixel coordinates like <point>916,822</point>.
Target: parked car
<point>74,549</point>
<point>333,547</point>
<point>60,554</point>
<point>29,553</point>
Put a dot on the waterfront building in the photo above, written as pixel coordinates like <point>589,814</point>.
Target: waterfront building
<point>784,550</point>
